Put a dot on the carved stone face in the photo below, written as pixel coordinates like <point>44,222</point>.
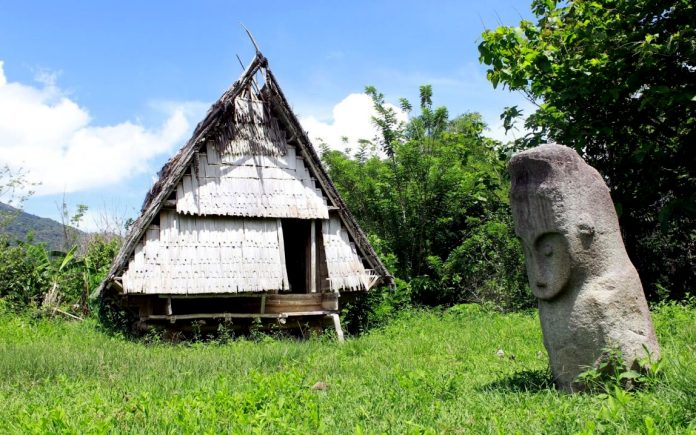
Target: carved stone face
<point>589,293</point>
<point>548,264</point>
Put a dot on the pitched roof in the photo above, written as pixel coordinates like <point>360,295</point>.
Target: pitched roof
<point>218,126</point>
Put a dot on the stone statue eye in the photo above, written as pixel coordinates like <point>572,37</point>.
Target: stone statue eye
<point>547,250</point>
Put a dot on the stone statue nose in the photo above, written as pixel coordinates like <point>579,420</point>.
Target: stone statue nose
<point>539,272</point>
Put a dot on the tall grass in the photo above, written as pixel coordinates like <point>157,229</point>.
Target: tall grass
<point>427,371</point>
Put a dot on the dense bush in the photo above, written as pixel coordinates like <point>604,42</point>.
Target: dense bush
<point>362,311</point>
<point>28,271</point>
<point>24,274</point>
<point>489,265</point>
<point>99,252</point>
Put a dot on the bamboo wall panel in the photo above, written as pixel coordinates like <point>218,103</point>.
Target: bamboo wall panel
<point>196,255</point>
<point>253,186</point>
<point>346,271</point>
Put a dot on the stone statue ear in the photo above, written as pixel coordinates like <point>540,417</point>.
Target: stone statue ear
<point>586,226</point>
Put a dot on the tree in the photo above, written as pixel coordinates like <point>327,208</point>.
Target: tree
<point>71,224</point>
<point>442,182</point>
<point>616,80</point>
<point>14,190</point>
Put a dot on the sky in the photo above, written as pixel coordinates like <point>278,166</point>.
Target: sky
<point>96,95</point>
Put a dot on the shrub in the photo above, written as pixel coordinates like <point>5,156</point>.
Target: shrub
<point>611,373</point>
<point>488,267</point>
<point>24,276</point>
<point>367,310</point>
<point>28,271</point>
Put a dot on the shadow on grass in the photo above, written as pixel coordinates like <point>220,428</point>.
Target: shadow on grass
<point>530,381</point>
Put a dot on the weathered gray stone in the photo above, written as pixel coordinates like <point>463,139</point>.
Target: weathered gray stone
<point>590,296</point>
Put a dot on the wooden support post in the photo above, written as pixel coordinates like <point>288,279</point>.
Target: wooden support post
<point>263,304</point>
<point>337,325</point>
<point>169,306</point>
<point>313,257</point>
<point>281,247</point>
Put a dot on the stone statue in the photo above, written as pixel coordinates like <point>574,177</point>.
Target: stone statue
<point>590,295</point>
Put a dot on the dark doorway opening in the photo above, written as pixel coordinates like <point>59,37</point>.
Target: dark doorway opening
<point>296,239</point>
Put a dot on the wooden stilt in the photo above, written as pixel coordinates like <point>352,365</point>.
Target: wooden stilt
<point>337,325</point>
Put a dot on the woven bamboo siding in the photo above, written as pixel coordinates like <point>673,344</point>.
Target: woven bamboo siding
<point>193,255</point>
<point>254,186</point>
<point>346,271</point>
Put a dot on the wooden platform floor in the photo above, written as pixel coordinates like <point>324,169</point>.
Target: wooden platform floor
<point>312,308</point>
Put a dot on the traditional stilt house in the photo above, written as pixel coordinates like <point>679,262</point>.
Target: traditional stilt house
<point>243,222</point>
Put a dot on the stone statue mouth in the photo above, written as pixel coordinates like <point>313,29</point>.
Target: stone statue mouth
<point>541,284</point>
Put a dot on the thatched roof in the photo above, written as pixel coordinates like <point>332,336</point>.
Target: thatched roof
<point>218,127</point>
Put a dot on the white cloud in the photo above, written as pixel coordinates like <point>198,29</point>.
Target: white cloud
<point>53,139</point>
<point>352,118</point>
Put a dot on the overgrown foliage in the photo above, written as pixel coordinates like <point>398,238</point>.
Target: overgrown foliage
<point>29,272</point>
<point>616,80</point>
<point>24,277</point>
<point>436,207</point>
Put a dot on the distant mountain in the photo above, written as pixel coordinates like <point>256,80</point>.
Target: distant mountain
<point>44,230</point>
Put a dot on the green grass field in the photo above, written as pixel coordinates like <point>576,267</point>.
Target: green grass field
<point>426,372</point>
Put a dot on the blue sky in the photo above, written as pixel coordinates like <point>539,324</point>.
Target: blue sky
<point>95,96</point>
